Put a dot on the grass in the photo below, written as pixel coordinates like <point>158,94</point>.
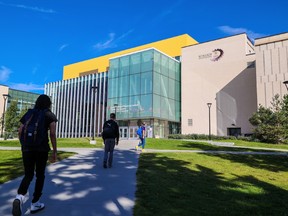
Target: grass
<point>205,146</point>
<point>201,184</point>
<point>195,183</point>
<point>11,165</point>
<point>62,143</point>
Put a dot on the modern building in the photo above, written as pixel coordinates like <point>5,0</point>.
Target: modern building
<point>221,73</point>
<point>138,84</point>
<point>25,100</point>
<point>272,67</point>
<point>175,85</point>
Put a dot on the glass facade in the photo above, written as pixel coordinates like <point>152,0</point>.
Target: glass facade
<point>146,85</point>
<point>25,100</point>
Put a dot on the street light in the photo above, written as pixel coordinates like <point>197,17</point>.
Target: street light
<point>209,106</point>
<point>286,84</point>
<point>93,89</point>
<point>5,96</point>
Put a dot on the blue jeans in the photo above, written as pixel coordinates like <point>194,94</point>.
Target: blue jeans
<point>142,142</point>
<point>108,151</point>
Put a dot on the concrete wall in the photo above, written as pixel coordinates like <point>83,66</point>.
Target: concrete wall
<point>272,67</point>
<point>217,72</point>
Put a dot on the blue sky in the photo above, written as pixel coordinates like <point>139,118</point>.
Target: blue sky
<point>39,37</point>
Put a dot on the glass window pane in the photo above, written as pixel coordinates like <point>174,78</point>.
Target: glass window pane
<point>177,91</point>
<point>122,109</point>
<point>172,87</point>
<point>113,87</point>
<point>177,73</point>
<point>134,107</point>
<point>135,84</point>
<point>164,65</point>
<point>156,106</point>
<point>156,83</point>
<point>123,89</point>
<point>135,63</point>
<point>164,108</point>
<point>164,85</point>
<point>147,61</point>
<point>124,66</point>
<point>172,68</point>
<point>157,63</point>
<point>171,110</point>
<point>113,68</point>
<point>146,83</point>
<point>146,106</point>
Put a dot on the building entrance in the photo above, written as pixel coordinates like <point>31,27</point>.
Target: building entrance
<point>123,132</point>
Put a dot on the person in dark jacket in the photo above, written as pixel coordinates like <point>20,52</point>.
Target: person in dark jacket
<point>35,156</point>
<point>110,135</point>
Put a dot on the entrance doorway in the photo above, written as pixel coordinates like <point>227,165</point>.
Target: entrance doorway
<point>132,132</point>
<point>123,132</point>
<point>234,131</point>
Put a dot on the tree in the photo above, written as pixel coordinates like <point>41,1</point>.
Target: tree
<point>271,124</point>
<point>12,119</point>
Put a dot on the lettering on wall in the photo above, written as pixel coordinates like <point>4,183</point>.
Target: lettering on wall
<point>215,55</point>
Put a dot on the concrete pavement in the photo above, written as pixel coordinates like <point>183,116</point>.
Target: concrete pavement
<point>80,185</point>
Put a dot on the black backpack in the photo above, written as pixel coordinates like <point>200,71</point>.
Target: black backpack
<point>34,133</point>
<point>109,130</point>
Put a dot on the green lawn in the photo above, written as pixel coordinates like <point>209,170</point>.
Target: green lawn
<point>62,143</point>
<point>11,165</point>
<point>201,184</point>
<point>195,183</point>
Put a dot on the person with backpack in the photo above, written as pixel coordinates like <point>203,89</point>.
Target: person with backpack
<point>110,135</point>
<point>33,136</point>
<point>141,132</point>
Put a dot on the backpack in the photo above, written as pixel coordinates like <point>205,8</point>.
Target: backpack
<point>139,131</point>
<point>109,130</point>
<point>34,133</point>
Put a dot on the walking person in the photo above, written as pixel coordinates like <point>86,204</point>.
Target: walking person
<point>110,135</point>
<point>141,132</point>
<point>33,136</point>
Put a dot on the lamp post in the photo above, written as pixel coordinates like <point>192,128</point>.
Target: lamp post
<point>5,96</point>
<point>209,106</point>
<point>93,89</point>
<point>286,84</point>
<point>115,108</point>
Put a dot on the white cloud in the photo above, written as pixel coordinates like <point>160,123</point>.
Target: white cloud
<point>232,31</point>
<point>26,87</point>
<point>111,42</point>
<point>4,73</point>
<point>106,44</point>
<point>37,9</point>
<point>62,47</point>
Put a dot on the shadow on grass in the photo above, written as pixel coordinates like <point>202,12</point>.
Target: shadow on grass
<point>166,186</point>
<point>11,168</point>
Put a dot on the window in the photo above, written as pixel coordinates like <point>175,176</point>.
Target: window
<point>190,122</point>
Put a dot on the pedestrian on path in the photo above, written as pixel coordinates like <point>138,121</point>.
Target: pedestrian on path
<point>141,132</point>
<point>33,136</point>
<point>110,135</point>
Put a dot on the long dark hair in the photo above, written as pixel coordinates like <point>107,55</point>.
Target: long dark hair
<point>43,102</point>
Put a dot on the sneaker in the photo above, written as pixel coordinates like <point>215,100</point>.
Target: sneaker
<point>17,205</point>
<point>143,150</point>
<point>104,166</point>
<point>137,147</point>
<point>36,207</point>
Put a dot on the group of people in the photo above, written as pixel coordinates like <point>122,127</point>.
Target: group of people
<point>34,138</point>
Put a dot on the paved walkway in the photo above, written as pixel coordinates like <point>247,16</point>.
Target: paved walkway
<point>80,186</point>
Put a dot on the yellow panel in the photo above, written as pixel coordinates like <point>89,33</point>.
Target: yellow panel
<point>171,46</point>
